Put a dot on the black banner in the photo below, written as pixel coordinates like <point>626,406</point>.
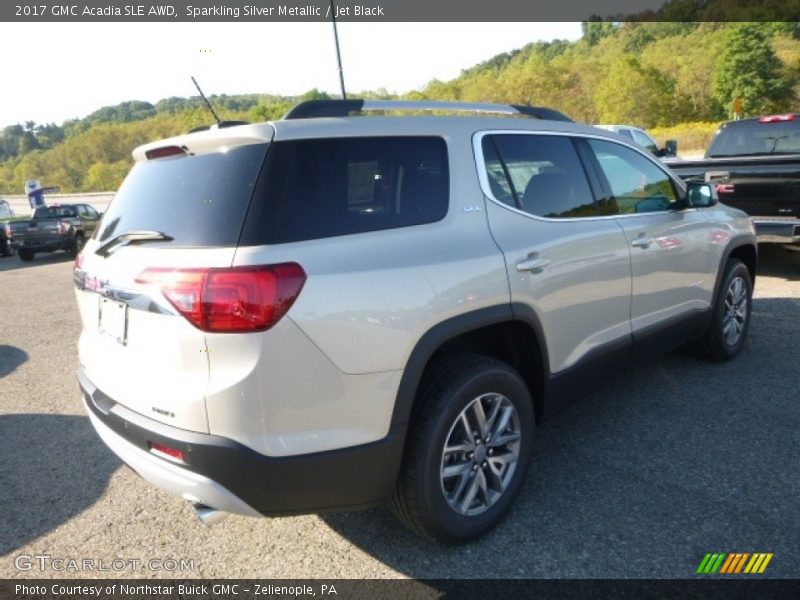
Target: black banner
<point>353,589</point>
<point>398,10</point>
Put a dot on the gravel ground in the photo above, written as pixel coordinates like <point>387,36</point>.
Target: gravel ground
<point>639,479</point>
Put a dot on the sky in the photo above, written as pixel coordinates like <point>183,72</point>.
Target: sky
<point>58,71</point>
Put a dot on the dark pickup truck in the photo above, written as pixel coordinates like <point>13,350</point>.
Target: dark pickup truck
<point>755,166</point>
<point>58,227</point>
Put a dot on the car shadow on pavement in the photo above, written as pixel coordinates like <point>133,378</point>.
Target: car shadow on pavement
<point>775,260</point>
<point>11,357</point>
<point>12,263</point>
<point>643,476</point>
<point>52,468</point>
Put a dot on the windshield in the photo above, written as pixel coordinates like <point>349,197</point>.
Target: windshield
<point>197,200</point>
<point>753,138</point>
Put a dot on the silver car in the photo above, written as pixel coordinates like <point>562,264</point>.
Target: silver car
<point>330,311</point>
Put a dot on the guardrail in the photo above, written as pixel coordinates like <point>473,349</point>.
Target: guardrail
<point>100,200</point>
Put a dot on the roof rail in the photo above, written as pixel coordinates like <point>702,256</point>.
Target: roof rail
<point>342,108</point>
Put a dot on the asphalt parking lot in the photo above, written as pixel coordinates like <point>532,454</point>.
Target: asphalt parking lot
<point>639,479</point>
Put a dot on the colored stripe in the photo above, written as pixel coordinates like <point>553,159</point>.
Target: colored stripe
<point>741,562</point>
<point>757,566</point>
<point>765,563</point>
<point>752,562</point>
<point>728,562</point>
<point>716,565</point>
<point>701,568</point>
<point>711,562</point>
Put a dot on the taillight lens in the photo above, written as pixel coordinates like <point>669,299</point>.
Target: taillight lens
<point>8,230</point>
<point>79,261</point>
<point>63,227</point>
<point>236,299</point>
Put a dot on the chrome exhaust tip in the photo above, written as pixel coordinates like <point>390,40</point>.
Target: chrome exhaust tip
<point>207,515</point>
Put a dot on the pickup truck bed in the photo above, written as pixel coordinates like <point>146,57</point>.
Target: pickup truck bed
<point>755,166</point>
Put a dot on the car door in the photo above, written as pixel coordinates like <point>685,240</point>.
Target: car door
<point>673,273</point>
<point>566,263</point>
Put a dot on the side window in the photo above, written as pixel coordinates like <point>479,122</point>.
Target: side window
<point>638,185</point>
<point>644,140</point>
<point>539,174</point>
<point>82,210</point>
<point>90,212</point>
<point>626,133</point>
<point>338,186</point>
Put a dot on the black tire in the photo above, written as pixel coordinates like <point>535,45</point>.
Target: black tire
<point>76,246</point>
<point>26,255</point>
<point>421,498</point>
<point>732,309</point>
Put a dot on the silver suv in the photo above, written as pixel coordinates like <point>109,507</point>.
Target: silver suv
<point>331,311</point>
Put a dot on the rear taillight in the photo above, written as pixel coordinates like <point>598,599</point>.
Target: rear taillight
<point>79,261</point>
<point>236,299</point>
<point>776,118</point>
<point>63,227</point>
<point>8,230</point>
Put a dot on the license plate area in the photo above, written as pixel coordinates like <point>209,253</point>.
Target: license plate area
<point>112,320</point>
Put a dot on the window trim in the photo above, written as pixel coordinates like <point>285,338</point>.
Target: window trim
<point>483,176</point>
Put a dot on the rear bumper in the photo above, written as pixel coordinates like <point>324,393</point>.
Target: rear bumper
<point>230,477</point>
<point>37,246</point>
<point>777,230</point>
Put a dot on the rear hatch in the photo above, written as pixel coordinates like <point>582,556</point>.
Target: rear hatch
<point>178,214</point>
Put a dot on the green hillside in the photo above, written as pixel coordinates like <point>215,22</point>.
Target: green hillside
<point>677,77</point>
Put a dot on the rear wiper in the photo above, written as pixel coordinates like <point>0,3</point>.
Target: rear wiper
<point>131,237</point>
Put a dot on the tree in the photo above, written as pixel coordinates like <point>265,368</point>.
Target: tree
<point>596,29</point>
<point>635,94</point>
<point>749,70</point>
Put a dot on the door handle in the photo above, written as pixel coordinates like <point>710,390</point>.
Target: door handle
<point>533,264</point>
<point>643,241</point>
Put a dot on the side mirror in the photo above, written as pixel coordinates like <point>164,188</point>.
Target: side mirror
<point>671,148</point>
<point>701,194</point>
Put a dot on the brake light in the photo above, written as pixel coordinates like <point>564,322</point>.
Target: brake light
<point>164,151</point>
<point>232,300</point>
<point>62,227</point>
<point>776,118</point>
<point>8,230</point>
<point>79,261</point>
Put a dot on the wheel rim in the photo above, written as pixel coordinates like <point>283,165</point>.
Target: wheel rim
<point>735,316</point>
<point>480,454</point>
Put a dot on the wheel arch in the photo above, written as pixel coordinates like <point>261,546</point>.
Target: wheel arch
<point>744,248</point>
<point>506,332</point>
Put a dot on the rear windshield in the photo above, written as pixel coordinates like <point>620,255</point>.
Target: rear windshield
<point>754,138</point>
<point>196,200</point>
<point>55,212</point>
<point>328,187</point>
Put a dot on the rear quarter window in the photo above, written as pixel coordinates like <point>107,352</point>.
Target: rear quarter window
<point>321,188</point>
